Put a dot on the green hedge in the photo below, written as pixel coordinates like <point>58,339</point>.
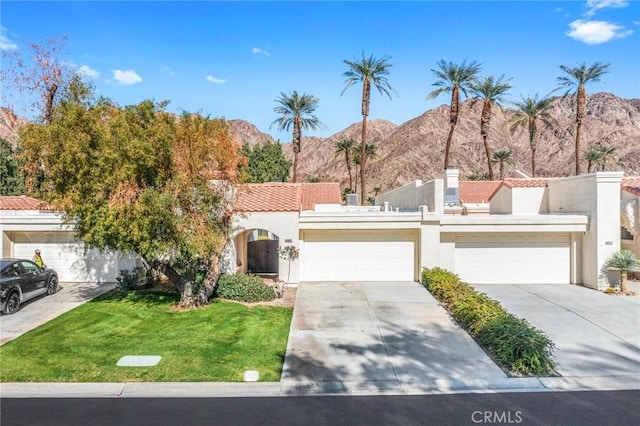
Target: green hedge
<point>244,288</point>
<point>512,341</point>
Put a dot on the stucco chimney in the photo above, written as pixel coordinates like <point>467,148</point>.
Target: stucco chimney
<point>451,187</point>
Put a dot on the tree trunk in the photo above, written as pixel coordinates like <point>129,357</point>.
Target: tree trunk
<point>294,178</point>
<point>533,161</point>
<point>581,107</point>
<point>488,154</point>
<point>363,161</point>
<point>623,282</point>
<point>447,147</point>
<point>297,140</point>
<point>350,175</point>
<point>485,121</point>
<point>209,284</point>
<point>501,170</point>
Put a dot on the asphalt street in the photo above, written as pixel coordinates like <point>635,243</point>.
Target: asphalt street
<point>548,408</point>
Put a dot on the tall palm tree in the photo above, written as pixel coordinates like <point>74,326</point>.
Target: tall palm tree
<point>491,92</point>
<point>502,157</point>
<point>527,113</point>
<point>592,156</point>
<point>345,147</point>
<point>297,111</point>
<point>370,71</point>
<point>453,78</point>
<point>577,78</point>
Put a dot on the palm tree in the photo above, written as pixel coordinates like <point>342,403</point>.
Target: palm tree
<point>607,153</point>
<point>370,71</point>
<point>453,78</point>
<point>592,156</point>
<point>491,92</point>
<point>345,147</point>
<point>577,78</point>
<point>371,153</point>
<point>297,111</point>
<point>502,157</point>
<point>527,113</point>
<point>623,261</point>
<point>376,190</point>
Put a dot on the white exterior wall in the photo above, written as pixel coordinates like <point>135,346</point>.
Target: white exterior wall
<point>596,195</point>
<point>285,225</point>
<point>501,202</point>
<point>412,195</point>
<point>528,200</point>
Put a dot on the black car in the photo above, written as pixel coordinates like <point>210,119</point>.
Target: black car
<point>22,280</point>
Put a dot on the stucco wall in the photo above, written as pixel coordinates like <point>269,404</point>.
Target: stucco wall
<point>284,225</point>
<point>597,195</point>
<point>501,203</point>
<point>528,200</point>
<point>412,195</point>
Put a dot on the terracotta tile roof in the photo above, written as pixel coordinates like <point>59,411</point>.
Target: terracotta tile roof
<point>21,202</point>
<point>285,197</point>
<point>320,193</point>
<point>478,191</point>
<point>631,184</point>
<point>526,183</point>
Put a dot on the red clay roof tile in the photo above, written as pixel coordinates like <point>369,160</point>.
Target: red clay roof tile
<point>21,202</point>
<point>478,191</point>
<point>526,183</point>
<point>285,197</point>
<point>631,184</point>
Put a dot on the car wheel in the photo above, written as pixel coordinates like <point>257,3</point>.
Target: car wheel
<point>52,287</point>
<point>13,303</point>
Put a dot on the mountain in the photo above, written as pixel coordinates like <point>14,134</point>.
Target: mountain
<point>415,149</point>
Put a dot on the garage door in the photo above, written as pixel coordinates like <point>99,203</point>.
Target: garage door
<point>513,258</point>
<point>367,255</point>
<point>61,252</point>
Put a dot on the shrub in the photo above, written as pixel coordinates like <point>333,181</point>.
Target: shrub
<point>511,341</point>
<point>131,280</point>
<point>244,288</point>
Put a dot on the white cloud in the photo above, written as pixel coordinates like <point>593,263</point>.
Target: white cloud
<point>213,79</point>
<point>596,32</point>
<point>126,78</point>
<point>596,5</point>
<point>258,51</point>
<point>5,43</point>
<point>167,69</point>
<point>88,71</point>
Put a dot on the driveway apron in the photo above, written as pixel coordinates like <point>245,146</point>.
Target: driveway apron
<point>380,334</point>
<point>595,334</point>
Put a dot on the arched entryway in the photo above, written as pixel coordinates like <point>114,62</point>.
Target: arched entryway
<point>258,252</point>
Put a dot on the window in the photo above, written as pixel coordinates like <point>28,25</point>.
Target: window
<point>30,266</point>
<point>625,234</point>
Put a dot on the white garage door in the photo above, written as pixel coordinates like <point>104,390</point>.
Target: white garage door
<point>62,253</point>
<point>367,255</point>
<point>513,258</point>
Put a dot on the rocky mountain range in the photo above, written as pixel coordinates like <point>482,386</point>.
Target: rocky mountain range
<point>415,149</point>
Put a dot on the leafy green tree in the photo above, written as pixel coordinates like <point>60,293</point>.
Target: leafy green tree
<point>136,179</point>
<point>453,78</point>
<point>576,78</point>
<point>527,113</point>
<point>11,180</point>
<point>344,147</point>
<point>297,111</point>
<point>502,157</point>
<point>266,163</point>
<point>370,71</point>
<point>490,92</point>
<point>624,261</point>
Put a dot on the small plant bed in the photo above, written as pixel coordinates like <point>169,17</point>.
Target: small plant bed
<point>217,342</point>
<point>516,346</point>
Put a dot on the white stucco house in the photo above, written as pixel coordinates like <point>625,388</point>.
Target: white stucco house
<point>26,225</point>
<point>525,231</point>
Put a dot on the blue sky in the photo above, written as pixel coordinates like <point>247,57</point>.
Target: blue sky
<point>232,59</point>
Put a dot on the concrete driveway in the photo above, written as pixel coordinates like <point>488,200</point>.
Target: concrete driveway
<point>595,334</point>
<point>44,308</point>
<point>376,335</point>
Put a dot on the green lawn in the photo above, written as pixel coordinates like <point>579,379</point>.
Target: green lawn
<point>215,343</point>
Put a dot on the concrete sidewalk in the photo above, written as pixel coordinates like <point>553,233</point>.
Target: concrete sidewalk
<point>377,335</point>
<point>44,308</point>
